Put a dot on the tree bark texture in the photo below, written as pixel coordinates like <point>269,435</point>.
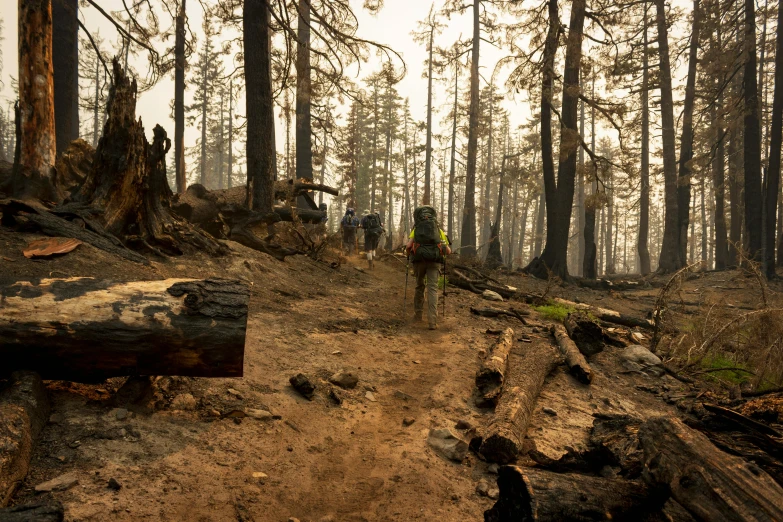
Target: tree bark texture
<point>576,362</point>
<point>180,64</point>
<point>36,102</point>
<point>669,260</point>
<point>543,496</point>
<point>428,143</point>
<point>65,48</point>
<point>41,511</point>
<point>261,162</point>
<point>491,374</point>
<point>719,187</point>
<point>709,484</point>
<point>528,368</point>
<point>83,329</point>
<point>304,151</point>
<point>776,142</point>
<point>588,336</point>
<point>468,234</point>
<point>642,244</point>
<point>751,139</point>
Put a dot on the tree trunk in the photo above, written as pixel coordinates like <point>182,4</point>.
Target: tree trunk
<point>230,181</point>
<point>718,182</point>
<point>83,329</point>
<point>304,152</point>
<point>543,496</point>
<point>494,253</point>
<point>560,192</point>
<point>96,104</point>
<point>428,143</point>
<point>65,47</point>
<point>486,218</point>
<point>580,197</point>
<point>590,263</point>
<point>710,484</point>
<point>36,102</point>
<point>468,234</point>
<point>588,335</point>
<point>207,95</point>
<point>492,372</point>
<point>735,231</point>
<point>642,247</point>
<point>528,369</point>
<point>776,142</point>
<point>261,162</point>
<point>705,234</point>
<point>374,147</point>
<point>608,241</point>
<point>180,64</point>
<point>669,260</point>
<point>453,167</point>
<point>752,139</point>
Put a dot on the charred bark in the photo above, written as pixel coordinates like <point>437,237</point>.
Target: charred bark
<point>491,374</point>
<point>576,362</point>
<point>66,72</point>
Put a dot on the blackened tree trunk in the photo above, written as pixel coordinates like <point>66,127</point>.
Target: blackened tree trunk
<point>580,197</point>
<point>686,141</point>
<point>560,192</point>
<point>179,99</point>
<point>65,48</point>
<point>220,144</point>
<point>304,152</point>
<point>96,104</point>
<point>608,241</point>
<point>590,262</point>
<point>261,163</point>
<point>669,260</point>
<point>206,90</point>
<point>36,103</point>
<point>468,235</point>
<point>452,168</point>
<point>776,141</point>
<point>229,183</point>
<point>752,139</point>
<point>486,221</point>
<point>642,247</point>
<point>718,182</point>
<point>735,231</point>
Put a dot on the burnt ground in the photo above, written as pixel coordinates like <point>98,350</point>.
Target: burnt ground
<point>187,451</point>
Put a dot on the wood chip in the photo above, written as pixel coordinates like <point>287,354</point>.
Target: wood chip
<point>50,246</point>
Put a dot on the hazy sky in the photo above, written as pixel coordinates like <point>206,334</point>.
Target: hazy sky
<point>392,26</point>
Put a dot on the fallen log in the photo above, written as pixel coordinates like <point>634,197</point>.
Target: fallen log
<point>490,376</point>
<point>709,484</point>
<point>609,316</point>
<point>51,511</point>
<point>458,276</point>
<point>542,496</point>
<point>528,368</point>
<point>588,336</point>
<point>576,362</point>
<point>24,410</point>
<point>84,329</point>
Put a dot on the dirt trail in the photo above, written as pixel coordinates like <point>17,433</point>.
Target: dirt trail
<point>319,461</point>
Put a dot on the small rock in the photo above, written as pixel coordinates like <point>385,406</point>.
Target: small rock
<point>60,483</point>
<point>345,380</point>
<point>232,391</point>
<point>535,330</point>
<point>303,385</point>
<point>416,362</point>
<point>337,352</point>
<point>259,414</point>
<point>260,475</point>
<point>121,413</point>
<point>482,488</point>
<point>114,485</point>
<point>549,411</point>
<point>370,396</point>
<point>184,401</point>
<point>447,444</point>
<point>56,418</point>
<point>336,396</point>
<point>493,493</point>
<point>462,424</point>
<point>637,337</point>
<point>403,396</point>
<point>638,358</point>
<point>407,421</point>
<point>214,413</point>
<point>493,468</point>
<point>292,519</point>
<point>489,295</point>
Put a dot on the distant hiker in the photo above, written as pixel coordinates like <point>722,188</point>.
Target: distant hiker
<point>373,229</point>
<point>349,224</point>
<point>427,245</point>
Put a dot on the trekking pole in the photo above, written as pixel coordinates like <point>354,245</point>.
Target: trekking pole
<point>405,298</point>
<point>445,281</point>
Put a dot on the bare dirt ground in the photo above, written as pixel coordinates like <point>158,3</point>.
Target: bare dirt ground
<point>202,459</point>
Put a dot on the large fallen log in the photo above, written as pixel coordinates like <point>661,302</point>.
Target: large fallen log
<point>610,316</point>
<point>710,484</point>
<point>542,496</point>
<point>83,329</point>
<point>576,362</point>
<point>490,376</point>
<point>588,336</point>
<point>41,511</point>
<point>528,368</point>
<point>24,410</point>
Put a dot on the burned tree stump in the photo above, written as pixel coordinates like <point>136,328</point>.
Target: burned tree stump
<point>588,336</point>
<point>83,329</point>
<point>576,362</point>
<point>709,484</point>
<point>528,369</point>
<point>542,496</point>
<point>491,374</point>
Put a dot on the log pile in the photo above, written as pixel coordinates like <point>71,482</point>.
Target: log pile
<point>84,329</point>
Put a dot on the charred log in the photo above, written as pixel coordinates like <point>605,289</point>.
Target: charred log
<point>576,362</point>
<point>491,374</point>
<point>587,334</point>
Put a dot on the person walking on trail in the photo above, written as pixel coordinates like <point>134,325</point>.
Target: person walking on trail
<point>373,230</point>
<point>349,224</point>
<point>427,246</point>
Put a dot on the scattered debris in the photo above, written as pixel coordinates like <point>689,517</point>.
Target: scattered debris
<point>490,295</point>
<point>50,246</point>
<point>184,401</point>
<point>549,411</point>
<point>344,379</point>
<point>60,483</point>
<point>232,391</point>
<point>301,383</point>
<point>407,421</point>
<point>262,415</point>
<point>260,475</point>
<point>370,396</point>
<point>463,425</point>
<point>448,445</point>
<point>637,358</point>
<point>114,485</point>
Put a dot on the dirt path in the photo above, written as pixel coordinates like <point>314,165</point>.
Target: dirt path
<point>179,455</point>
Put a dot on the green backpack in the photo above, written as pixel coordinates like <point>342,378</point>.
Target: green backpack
<point>426,235</point>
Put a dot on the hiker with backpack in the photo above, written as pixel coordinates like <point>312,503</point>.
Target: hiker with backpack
<point>349,224</point>
<point>373,230</point>
<point>427,247</point>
